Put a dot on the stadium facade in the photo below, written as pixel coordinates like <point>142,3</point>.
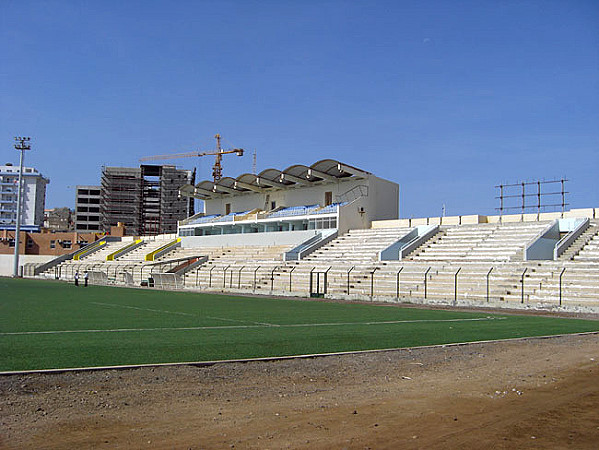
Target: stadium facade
<point>326,195</point>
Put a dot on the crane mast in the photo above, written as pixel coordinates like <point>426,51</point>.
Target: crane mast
<point>217,169</point>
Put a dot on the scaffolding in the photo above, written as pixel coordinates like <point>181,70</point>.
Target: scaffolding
<point>145,199</point>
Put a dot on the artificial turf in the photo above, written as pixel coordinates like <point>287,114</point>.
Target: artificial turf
<point>101,326</point>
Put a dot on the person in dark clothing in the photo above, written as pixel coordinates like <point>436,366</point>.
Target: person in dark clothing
<point>77,278</point>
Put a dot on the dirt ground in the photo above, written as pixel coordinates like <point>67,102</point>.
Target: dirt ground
<point>537,393</point>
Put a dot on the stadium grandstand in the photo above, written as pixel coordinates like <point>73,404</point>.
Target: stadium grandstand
<point>333,230</point>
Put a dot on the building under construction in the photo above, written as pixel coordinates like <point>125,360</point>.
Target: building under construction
<point>145,199</point>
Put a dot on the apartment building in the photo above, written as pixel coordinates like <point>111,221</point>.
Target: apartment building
<point>33,195</point>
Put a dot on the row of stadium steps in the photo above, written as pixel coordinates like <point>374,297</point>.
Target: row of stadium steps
<point>100,255</point>
<point>236,267</point>
<point>96,262</point>
<point>138,255</point>
<point>581,242</point>
<point>499,244</point>
<point>541,281</point>
<point>481,242</point>
<point>590,250</point>
<point>357,246</point>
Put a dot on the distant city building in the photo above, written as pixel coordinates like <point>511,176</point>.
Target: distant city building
<point>58,219</point>
<point>87,208</point>
<point>33,198</point>
<point>145,199</point>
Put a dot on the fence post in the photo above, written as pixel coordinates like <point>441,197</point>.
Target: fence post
<point>372,282</point>
<point>326,277</point>
<point>560,285</point>
<point>255,271</point>
<point>348,272</point>
<point>397,289</point>
<point>488,275</point>
<point>272,278</point>
<point>290,272</point>
<point>210,276</point>
<point>522,281</point>
<point>225,276</point>
<point>455,286</point>
<point>239,278</point>
<point>311,279</point>
<point>426,282</point>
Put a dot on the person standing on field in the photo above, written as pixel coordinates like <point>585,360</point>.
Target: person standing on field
<point>77,278</point>
<point>85,278</point>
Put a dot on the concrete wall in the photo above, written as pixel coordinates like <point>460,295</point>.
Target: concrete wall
<point>591,213</point>
<point>240,240</point>
<point>7,262</point>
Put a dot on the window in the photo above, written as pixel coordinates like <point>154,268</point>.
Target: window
<point>11,242</point>
<point>52,244</point>
<point>227,208</point>
<point>328,198</point>
<point>29,243</point>
<point>273,205</point>
<point>67,244</point>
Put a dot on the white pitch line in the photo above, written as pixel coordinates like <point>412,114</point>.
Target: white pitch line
<point>232,327</point>
<point>144,309</point>
<point>182,313</point>
<point>266,324</point>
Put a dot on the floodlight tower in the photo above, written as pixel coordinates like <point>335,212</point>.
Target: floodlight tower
<point>21,144</point>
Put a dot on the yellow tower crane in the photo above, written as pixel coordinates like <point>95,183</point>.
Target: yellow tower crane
<point>217,169</point>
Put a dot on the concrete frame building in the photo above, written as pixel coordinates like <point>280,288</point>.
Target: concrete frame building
<point>145,199</point>
<point>33,197</point>
<point>87,209</point>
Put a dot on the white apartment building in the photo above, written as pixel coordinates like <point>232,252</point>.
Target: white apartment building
<point>33,198</point>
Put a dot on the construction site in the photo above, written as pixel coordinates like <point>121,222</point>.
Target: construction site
<point>145,199</point>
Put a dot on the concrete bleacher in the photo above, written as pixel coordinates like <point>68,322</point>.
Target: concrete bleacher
<point>477,263</point>
<point>357,246</point>
<point>480,242</point>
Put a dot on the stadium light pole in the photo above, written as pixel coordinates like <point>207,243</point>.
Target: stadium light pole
<point>22,144</point>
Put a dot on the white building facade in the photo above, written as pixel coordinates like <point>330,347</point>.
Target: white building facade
<point>33,197</point>
<point>326,195</point>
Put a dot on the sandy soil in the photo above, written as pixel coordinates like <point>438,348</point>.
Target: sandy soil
<point>538,393</point>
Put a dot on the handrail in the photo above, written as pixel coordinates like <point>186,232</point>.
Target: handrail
<point>162,250</point>
<point>565,242</point>
<point>125,249</point>
<point>95,246</point>
<point>56,261</point>
<point>418,241</point>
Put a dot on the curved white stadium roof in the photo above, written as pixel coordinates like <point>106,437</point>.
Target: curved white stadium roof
<point>293,176</point>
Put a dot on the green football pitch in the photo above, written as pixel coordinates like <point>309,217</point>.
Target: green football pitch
<point>48,324</point>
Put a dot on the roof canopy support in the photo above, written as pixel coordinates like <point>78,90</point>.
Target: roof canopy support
<point>319,174</point>
<point>286,176</point>
<point>251,187</point>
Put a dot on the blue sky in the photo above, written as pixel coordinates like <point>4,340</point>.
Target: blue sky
<point>446,98</point>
